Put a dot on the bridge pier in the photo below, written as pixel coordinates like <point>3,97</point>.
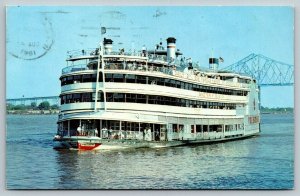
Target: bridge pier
<point>259,97</point>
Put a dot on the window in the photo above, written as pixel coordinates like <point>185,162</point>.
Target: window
<point>182,84</point>
<point>172,101</point>
<point>118,78</point>
<point>86,97</point>
<point>152,80</point>
<point>94,78</point>
<point>77,78</point>
<point>187,103</point>
<point>69,80</point>
<point>141,79</point>
<point>178,84</point>
<point>194,103</point>
<point>63,100</point>
<point>198,128</point>
<point>86,78</point>
<point>141,98</point>
<point>63,81</point>
<point>193,129</point>
<point>167,101</point>
<point>109,97</point>
<point>228,128</point>
<point>174,127</point>
<point>159,100</point>
<point>109,77</point>
<point>173,83</point>
<point>161,81</point>
<point>183,103</point>
<point>69,99</point>
<point>167,82</point>
<point>130,78</point>
<point>77,97</point>
<point>119,97</point>
<point>131,98</point>
<point>181,127</point>
<point>152,99</point>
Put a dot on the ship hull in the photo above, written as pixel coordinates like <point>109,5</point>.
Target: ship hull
<point>94,143</point>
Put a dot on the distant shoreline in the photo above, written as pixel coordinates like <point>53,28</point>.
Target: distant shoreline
<point>32,112</point>
<point>277,113</point>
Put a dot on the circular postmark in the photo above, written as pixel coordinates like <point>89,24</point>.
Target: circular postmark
<point>33,38</point>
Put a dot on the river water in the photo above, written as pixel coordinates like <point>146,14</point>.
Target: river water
<point>264,162</point>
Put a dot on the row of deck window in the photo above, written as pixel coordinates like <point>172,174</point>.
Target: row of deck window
<point>145,99</point>
<point>139,79</point>
<point>114,64</point>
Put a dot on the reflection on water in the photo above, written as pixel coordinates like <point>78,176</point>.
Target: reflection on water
<point>261,162</point>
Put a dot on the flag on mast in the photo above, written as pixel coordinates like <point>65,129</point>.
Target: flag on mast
<point>221,59</point>
<point>103,30</point>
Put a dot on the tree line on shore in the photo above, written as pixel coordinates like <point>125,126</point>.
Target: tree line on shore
<point>45,105</point>
<point>276,110</point>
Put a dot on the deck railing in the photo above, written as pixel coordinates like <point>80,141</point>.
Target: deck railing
<point>163,70</point>
<point>151,136</point>
<point>74,68</point>
<point>83,52</point>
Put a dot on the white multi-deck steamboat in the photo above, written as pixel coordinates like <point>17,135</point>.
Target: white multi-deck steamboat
<point>153,98</point>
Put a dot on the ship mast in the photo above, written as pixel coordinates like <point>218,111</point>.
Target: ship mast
<point>103,77</point>
<point>100,58</point>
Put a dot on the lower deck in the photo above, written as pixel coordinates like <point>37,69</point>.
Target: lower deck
<point>211,129</point>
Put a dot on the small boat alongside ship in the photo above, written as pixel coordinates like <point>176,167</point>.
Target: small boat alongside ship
<point>151,99</point>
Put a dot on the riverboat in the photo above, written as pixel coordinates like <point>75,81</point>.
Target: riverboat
<point>151,99</point>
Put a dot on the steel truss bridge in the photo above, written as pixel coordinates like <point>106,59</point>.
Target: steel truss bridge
<point>27,101</point>
<point>266,71</point>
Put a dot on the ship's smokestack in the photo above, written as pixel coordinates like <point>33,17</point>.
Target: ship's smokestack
<point>171,48</point>
<point>213,63</point>
<point>107,43</point>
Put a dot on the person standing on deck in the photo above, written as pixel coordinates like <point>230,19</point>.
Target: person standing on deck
<point>96,132</point>
<point>79,130</point>
<point>103,132</point>
<point>109,133</point>
<point>144,133</point>
<point>83,130</point>
<point>149,135</point>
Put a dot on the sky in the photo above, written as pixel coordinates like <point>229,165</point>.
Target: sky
<point>38,38</point>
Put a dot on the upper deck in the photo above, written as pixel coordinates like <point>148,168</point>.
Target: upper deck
<point>159,62</point>
<point>136,63</point>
